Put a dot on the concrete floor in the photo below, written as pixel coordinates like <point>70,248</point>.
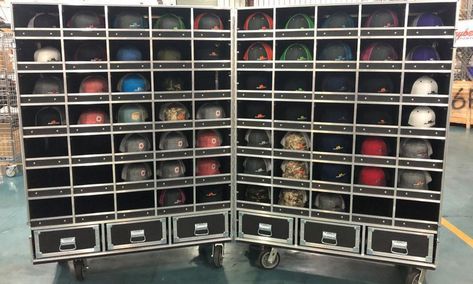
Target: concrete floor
<point>183,265</point>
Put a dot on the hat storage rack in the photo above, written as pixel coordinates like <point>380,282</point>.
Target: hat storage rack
<point>354,114</point>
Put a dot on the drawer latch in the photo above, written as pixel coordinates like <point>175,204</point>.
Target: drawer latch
<point>67,244</point>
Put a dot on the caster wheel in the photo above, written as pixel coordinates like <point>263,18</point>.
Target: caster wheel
<point>265,262</point>
<point>414,277</point>
<point>79,269</point>
<point>11,171</point>
<point>217,257</point>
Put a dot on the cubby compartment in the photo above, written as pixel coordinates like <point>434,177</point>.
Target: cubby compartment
<point>376,145</point>
<point>374,206</point>
<point>213,193</point>
<point>24,16</point>
<point>53,177</point>
<point>212,80</point>
<point>332,172</point>
<point>210,166</point>
<point>94,204</point>
<point>211,50</point>
<point>172,81</point>
<point>223,15</point>
<point>41,84</point>
<point>381,83</point>
<point>254,193</point>
<point>170,50</point>
<point>129,50</point>
<point>292,111</point>
<point>175,197</point>
<point>337,50</point>
<point>85,50</point>
<point>338,17</point>
<point>45,147</point>
<point>443,13</point>
<point>424,116</point>
<point>261,51</point>
<point>333,113</point>
<point>87,83</point>
<point>255,81</point>
<point>83,175</point>
<point>426,84</point>
<point>130,82</point>
<point>175,168</point>
<point>255,19</point>
<point>95,17</point>
<point>167,18</point>
<point>331,202</point>
<point>212,110</point>
<point>377,114</point>
<point>428,50</point>
<point>419,180</point>
<point>174,140</point>
<point>259,138</point>
<point>135,200</point>
<point>164,111</point>
<point>421,148</point>
<point>296,198</point>
<point>93,114</point>
<point>27,48</point>
<point>389,50</point>
<point>294,50</point>
<point>339,82</point>
<point>292,169</point>
<point>293,82</point>
<point>254,166</point>
<point>415,210</point>
<point>396,19</point>
<point>43,116</point>
<point>375,176</point>
<point>126,17</point>
<point>50,208</point>
<point>254,110</point>
<point>295,18</point>
<point>292,140</point>
<point>81,145</point>
<point>333,143</point>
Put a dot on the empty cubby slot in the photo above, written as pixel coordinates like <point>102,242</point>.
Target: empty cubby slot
<point>45,147</point>
<point>95,13</point>
<point>212,80</point>
<point>43,84</point>
<point>339,82</point>
<point>138,82</point>
<point>173,81</point>
<point>224,16</point>
<point>174,168</point>
<point>175,197</point>
<point>133,142</point>
<point>23,15</point>
<point>333,113</point>
<point>131,112</point>
<point>212,166</point>
<point>254,81</point>
<point>333,143</point>
<point>294,50</point>
<point>427,84</point>
<point>212,110</point>
<point>87,82</point>
<point>89,114</point>
<point>300,111</point>
<point>306,21</point>
<point>381,49</point>
<point>173,111</point>
<point>92,175</point>
<point>213,193</point>
<point>328,15</point>
<point>260,50</point>
<point>126,17</point>
<point>211,50</point>
<point>129,50</point>
<point>293,81</point>
<point>94,204</point>
<point>163,18</point>
<point>331,172</point>
<point>265,16</point>
<point>374,176</point>
<point>291,197</point>
<point>442,11</point>
<point>43,116</point>
<point>85,50</point>
<point>372,206</point>
<point>381,82</point>
<point>54,177</point>
<point>50,208</point>
<point>134,172</point>
<point>377,114</point>
<point>171,50</point>
<point>397,12</point>
<point>26,48</point>
<point>334,202</point>
<point>254,193</point>
<point>292,140</point>
<point>254,110</point>
<point>415,210</point>
<point>424,116</point>
<point>135,200</point>
<point>91,145</point>
<point>336,50</point>
<point>425,50</point>
<point>291,169</point>
<point>376,145</point>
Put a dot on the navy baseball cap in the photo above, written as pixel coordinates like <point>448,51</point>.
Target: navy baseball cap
<point>333,143</point>
<point>337,51</point>
<point>297,83</point>
<point>338,83</point>
<point>335,173</point>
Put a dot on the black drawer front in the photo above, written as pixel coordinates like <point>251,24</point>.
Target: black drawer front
<point>400,244</point>
<point>136,233</point>
<point>334,236</point>
<point>86,66</point>
<point>84,33</point>
<point>382,32</point>
<point>172,34</point>
<point>204,226</point>
<point>38,33</point>
<point>340,33</point>
<point>279,229</point>
<point>42,100</point>
<point>66,241</point>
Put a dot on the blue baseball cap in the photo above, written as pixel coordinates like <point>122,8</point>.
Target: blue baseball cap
<point>423,53</point>
<point>129,53</point>
<point>333,143</point>
<point>427,20</point>
<point>133,82</point>
<point>335,173</point>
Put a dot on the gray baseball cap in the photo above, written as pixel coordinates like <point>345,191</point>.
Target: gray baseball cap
<point>257,166</point>
<point>174,140</point>
<point>414,179</point>
<point>416,148</point>
<point>136,172</point>
<point>258,138</point>
<point>171,169</point>
<point>135,142</point>
<point>210,111</point>
<point>329,201</point>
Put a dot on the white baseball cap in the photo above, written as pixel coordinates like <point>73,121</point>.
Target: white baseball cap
<point>424,86</point>
<point>422,116</point>
<point>47,54</point>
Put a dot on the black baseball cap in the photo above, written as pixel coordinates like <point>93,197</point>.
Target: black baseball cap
<point>257,110</point>
<point>333,143</point>
<point>211,51</point>
<point>49,116</point>
<point>136,172</point>
<point>297,83</point>
<point>375,115</point>
<point>258,138</point>
<point>338,83</point>
<point>260,81</point>
<point>257,166</point>
<point>295,112</point>
<point>256,193</point>
<point>381,83</point>
<point>90,51</point>
<point>335,114</point>
<point>209,194</point>
<point>335,173</point>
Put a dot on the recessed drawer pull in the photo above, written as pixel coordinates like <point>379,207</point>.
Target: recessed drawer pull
<point>329,238</point>
<point>399,247</point>
<point>201,229</point>
<point>265,230</point>
<point>137,236</point>
<point>67,244</point>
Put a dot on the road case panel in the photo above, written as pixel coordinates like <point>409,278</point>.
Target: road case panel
<point>136,234</point>
<point>266,228</point>
<point>330,236</point>
<point>200,227</point>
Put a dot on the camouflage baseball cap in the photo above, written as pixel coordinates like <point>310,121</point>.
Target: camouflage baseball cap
<point>292,197</point>
<point>296,141</point>
<point>135,142</point>
<point>136,172</point>
<point>295,170</point>
<point>170,169</point>
<point>173,112</point>
<point>257,193</point>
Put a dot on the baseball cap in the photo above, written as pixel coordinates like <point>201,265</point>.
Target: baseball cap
<point>169,54</point>
<point>93,84</point>
<point>258,51</point>
<point>257,111</point>
<point>415,148</point>
<point>129,53</point>
<point>333,143</point>
<point>93,116</point>
<point>258,138</point>
<point>133,82</point>
<point>299,141</point>
<point>427,19</point>
<point>90,51</point>
<point>85,19</point>
<point>297,51</point>
<point>258,81</point>
<point>414,179</point>
<point>48,85</point>
<point>329,202</point>
<point>208,138</point>
<point>381,83</point>
<point>47,54</point>
<point>425,85</point>
<point>295,170</point>
<point>258,21</point>
<point>44,20</point>
<point>136,172</point>
<point>208,21</point>
<point>297,83</point>
<point>335,173</point>
<point>372,176</point>
<point>172,83</point>
<point>295,112</point>
<point>47,116</point>
<point>210,111</point>
<point>336,50</point>
<point>423,53</point>
<point>299,21</point>
<point>207,167</point>
<point>338,20</point>
<point>132,113</point>
<point>422,116</point>
<point>173,112</point>
<point>256,193</point>
<point>172,197</point>
<point>338,83</point>
<point>257,166</point>
<point>379,51</point>
<point>173,140</point>
<point>209,51</point>
<point>335,114</point>
<point>129,20</point>
<point>169,21</point>
<point>209,194</point>
<point>378,115</point>
<point>135,142</point>
<point>374,146</point>
<point>170,169</point>
<point>292,197</point>
<point>382,18</point>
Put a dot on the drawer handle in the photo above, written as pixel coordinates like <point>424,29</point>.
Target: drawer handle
<point>329,238</point>
<point>399,247</point>
<point>137,236</point>
<point>67,244</point>
<point>265,230</point>
<point>201,229</point>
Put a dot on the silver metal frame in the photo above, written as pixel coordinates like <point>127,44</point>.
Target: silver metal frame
<point>111,246</point>
<point>241,234</point>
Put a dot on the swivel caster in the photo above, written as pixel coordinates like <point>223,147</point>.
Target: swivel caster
<point>80,266</point>
<point>11,171</point>
<point>217,255</point>
<point>268,258</point>
<point>416,276</point>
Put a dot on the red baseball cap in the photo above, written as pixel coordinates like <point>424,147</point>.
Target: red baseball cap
<point>93,84</point>
<point>93,117</point>
<point>372,176</point>
<point>206,167</point>
<point>374,146</point>
<point>208,138</point>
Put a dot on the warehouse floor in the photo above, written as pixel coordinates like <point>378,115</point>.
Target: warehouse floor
<point>184,265</point>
